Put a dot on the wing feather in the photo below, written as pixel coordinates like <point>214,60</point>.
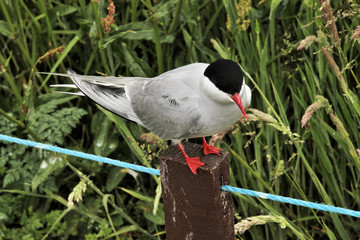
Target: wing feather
<point>166,106</point>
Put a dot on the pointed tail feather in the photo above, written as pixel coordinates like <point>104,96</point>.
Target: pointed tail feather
<point>108,92</point>
<point>64,85</point>
<point>72,93</point>
<point>98,80</point>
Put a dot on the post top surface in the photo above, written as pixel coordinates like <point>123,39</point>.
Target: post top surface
<point>194,150</point>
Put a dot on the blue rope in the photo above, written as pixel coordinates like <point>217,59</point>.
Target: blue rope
<point>153,171</point>
<point>292,201</point>
<point>81,154</point>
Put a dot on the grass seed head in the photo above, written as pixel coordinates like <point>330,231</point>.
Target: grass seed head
<point>51,52</point>
<point>321,102</point>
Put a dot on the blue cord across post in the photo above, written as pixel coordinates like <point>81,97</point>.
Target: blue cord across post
<point>292,201</point>
<point>153,171</point>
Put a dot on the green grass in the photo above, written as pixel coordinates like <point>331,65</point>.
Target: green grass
<point>270,152</point>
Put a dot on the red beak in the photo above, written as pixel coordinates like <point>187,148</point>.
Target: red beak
<point>236,98</point>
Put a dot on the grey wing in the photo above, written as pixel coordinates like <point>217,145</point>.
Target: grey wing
<point>170,109</point>
<point>110,96</point>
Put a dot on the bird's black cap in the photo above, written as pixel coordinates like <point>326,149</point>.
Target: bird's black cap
<point>226,75</point>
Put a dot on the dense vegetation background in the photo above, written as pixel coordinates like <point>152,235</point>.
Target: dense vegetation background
<point>301,138</point>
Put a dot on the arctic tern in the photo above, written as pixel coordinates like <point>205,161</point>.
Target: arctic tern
<point>196,100</point>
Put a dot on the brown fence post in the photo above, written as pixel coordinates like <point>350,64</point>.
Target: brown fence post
<point>194,206</point>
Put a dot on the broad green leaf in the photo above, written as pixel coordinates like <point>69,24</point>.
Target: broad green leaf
<point>135,68</point>
<point>165,9</point>
<point>137,31</point>
<point>48,166</point>
<point>116,175</point>
<point>5,30</point>
<point>102,137</point>
<point>60,11</point>
<point>223,51</point>
<point>157,218</point>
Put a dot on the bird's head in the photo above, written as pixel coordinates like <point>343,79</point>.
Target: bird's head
<point>227,78</point>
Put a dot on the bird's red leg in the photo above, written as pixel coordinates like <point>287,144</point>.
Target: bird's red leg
<point>208,149</point>
<point>193,163</point>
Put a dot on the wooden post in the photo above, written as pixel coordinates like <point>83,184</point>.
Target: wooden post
<point>195,207</point>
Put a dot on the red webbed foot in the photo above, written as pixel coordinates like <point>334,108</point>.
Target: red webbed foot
<point>193,163</point>
<point>208,149</point>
